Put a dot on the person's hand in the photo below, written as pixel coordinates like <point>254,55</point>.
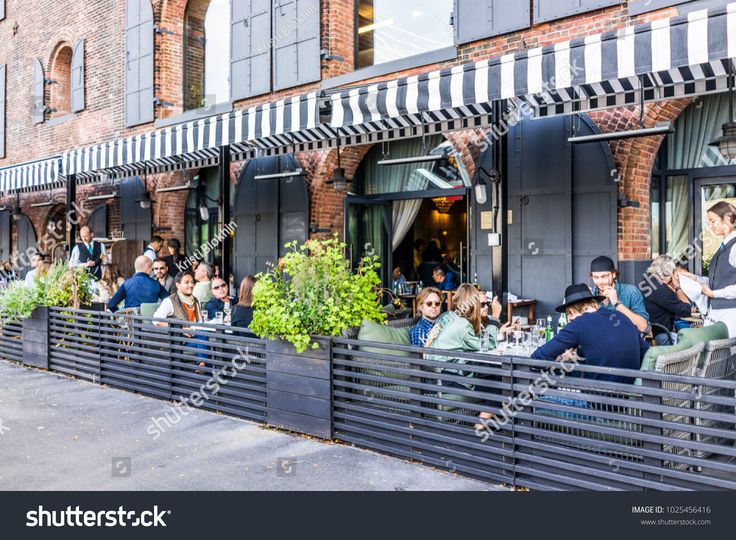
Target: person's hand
<point>496,308</point>
<point>610,294</point>
<point>707,291</point>
<point>676,280</point>
<point>569,354</point>
<point>432,335</point>
<point>90,264</point>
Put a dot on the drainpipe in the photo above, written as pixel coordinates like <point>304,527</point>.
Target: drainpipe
<point>224,199</point>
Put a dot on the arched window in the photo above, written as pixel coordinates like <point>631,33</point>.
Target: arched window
<point>60,100</point>
<point>206,53</point>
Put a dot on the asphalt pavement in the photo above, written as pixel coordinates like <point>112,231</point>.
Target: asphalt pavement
<point>62,434</point>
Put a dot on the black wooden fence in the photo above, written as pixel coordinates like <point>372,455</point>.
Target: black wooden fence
<point>549,429</point>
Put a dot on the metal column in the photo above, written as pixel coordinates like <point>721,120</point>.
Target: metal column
<point>225,219</point>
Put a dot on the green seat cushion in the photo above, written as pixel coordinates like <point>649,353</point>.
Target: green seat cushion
<point>650,358</point>
<point>704,334</point>
<point>370,331</point>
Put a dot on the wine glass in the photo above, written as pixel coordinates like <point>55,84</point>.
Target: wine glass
<point>227,309</point>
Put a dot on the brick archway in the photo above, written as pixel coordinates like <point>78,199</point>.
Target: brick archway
<point>634,160</point>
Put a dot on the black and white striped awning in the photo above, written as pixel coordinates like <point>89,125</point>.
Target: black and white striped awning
<point>31,176</point>
<point>670,58</point>
<point>249,132</point>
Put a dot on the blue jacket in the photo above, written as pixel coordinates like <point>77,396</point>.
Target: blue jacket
<point>450,283</point>
<point>604,338</point>
<point>139,289</point>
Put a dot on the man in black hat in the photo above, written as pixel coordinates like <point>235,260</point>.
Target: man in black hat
<point>622,297</point>
<point>602,337</point>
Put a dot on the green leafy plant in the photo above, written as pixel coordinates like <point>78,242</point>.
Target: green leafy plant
<point>313,291</point>
<point>60,287</point>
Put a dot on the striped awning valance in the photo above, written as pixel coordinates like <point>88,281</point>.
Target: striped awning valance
<point>195,143</point>
<point>669,58</point>
<point>30,176</point>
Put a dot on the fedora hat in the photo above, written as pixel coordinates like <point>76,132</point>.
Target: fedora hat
<point>577,293</point>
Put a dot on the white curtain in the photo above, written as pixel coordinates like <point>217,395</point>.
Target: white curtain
<point>404,214</point>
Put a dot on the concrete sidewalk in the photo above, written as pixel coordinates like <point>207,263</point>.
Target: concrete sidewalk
<point>62,434</point>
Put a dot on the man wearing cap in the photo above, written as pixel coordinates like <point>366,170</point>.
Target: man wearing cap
<point>602,337</point>
<point>622,297</point>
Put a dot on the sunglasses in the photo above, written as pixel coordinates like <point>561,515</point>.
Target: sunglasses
<point>433,304</point>
<point>159,269</point>
<point>219,286</point>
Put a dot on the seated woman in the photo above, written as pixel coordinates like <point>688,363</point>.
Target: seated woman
<point>666,301</point>
<point>429,302</point>
<point>242,314</point>
<point>182,305</point>
<point>602,337</point>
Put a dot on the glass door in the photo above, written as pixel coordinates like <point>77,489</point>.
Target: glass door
<point>368,232</point>
<point>709,191</point>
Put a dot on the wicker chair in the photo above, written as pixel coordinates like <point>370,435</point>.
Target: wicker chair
<point>718,363</point>
<point>679,363</point>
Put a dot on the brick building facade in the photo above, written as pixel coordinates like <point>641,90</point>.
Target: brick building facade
<point>49,30</point>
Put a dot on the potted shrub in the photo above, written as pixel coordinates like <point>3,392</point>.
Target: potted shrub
<point>60,287</point>
<point>312,295</point>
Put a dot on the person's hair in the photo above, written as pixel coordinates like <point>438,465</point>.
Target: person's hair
<point>108,279</point>
<point>439,270</point>
<point>246,290</point>
<point>174,243</point>
<point>723,209</point>
<point>181,276</point>
<point>156,240</point>
<point>207,267</point>
<point>463,293</point>
<point>160,260</point>
<point>419,243</point>
<point>581,307</point>
<point>424,294</point>
<point>141,263</point>
<point>470,309</point>
<point>662,267</point>
<point>217,278</point>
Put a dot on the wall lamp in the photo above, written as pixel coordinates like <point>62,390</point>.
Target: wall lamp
<point>176,188</point>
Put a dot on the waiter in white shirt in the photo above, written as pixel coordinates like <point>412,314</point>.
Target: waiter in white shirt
<point>88,254</point>
<point>721,286</point>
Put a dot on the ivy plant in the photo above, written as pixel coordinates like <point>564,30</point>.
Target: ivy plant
<point>314,291</point>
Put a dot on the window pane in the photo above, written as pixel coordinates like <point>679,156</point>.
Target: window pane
<point>394,29</point>
<point>655,208</point>
<point>217,53</point>
<point>677,215</point>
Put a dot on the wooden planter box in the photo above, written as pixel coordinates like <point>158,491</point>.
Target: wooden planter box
<point>298,388</point>
<point>36,338</point>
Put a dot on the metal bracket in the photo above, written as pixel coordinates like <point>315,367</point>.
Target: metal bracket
<point>158,30</point>
<point>158,102</point>
<point>325,55</point>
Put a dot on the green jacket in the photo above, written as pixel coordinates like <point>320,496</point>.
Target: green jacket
<point>459,335</point>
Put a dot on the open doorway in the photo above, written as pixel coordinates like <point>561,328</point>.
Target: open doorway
<point>393,206</point>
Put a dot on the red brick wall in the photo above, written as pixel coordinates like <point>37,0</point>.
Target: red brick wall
<point>634,160</point>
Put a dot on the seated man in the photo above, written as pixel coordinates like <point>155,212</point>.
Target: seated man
<point>203,276</point>
<point>602,337</point>
<point>139,289</point>
<point>221,300</point>
<point>428,304</point>
<point>398,281</point>
<point>445,281</point>
<point>624,298</point>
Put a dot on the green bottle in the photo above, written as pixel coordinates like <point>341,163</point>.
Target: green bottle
<point>549,332</point>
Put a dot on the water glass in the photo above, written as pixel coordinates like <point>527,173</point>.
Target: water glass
<point>219,317</point>
<point>484,341</point>
<point>205,315</point>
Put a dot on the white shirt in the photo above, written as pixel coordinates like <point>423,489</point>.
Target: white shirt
<point>30,279</point>
<point>74,258</point>
<point>165,309</point>
<point>150,253</point>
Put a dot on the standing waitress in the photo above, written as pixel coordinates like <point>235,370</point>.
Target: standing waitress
<point>721,288</point>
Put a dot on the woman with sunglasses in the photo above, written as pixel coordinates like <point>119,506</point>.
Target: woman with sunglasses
<point>429,304</point>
